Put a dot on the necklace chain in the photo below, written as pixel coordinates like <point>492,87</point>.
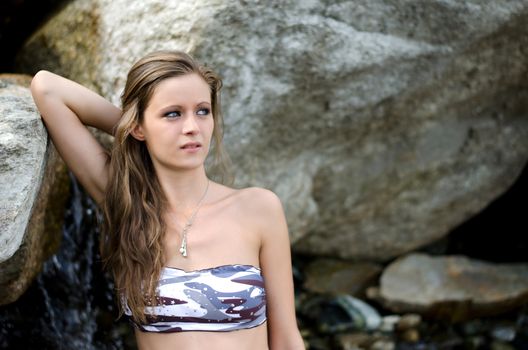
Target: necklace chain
<point>188,224</point>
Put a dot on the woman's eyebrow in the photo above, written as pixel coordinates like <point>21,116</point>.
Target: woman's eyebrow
<point>180,107</point>
<point>169,107</point>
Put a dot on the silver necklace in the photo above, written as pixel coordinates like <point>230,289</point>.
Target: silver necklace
<point>188,224</point>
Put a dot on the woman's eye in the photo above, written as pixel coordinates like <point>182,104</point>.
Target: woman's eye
<point>172,114</point>
<point>203,111</point>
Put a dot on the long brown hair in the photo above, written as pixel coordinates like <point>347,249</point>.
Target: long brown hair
<point>134,203</point>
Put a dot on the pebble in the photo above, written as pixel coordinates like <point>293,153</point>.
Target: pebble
<point>353,341</point>
<point>410,335</point>
<point>373,293</point>
<point>388,323</point>
<point>383,344</point>
<point>503,333</point>
<point>408,321</point>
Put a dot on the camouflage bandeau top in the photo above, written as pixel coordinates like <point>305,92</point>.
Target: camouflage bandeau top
<point>218,299</point>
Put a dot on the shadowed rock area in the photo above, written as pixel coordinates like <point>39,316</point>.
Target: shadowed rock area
<point>381,125</point>
<point>335,277</point>
<point>18,20</point>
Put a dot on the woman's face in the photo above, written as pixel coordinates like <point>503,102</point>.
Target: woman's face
<point>178,123</point>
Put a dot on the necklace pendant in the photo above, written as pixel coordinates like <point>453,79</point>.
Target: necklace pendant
<point>183,250</point>
<point>183,247</point>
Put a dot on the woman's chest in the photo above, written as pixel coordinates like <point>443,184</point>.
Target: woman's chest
<point>214,239</point>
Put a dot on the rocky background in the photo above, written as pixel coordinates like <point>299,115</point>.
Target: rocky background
<point>384,126</point>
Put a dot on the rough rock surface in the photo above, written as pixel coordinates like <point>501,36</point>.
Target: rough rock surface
<point>381,124</point>
<point>32,187</point>
<point>454,288</point>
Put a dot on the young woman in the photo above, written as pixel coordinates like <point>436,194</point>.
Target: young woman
<point>197,265</point>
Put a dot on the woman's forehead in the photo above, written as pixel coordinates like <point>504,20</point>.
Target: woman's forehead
<point>180,90</point>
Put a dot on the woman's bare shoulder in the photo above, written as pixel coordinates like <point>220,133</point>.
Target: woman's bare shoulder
<point>257,196</point>
<point>258,201</point>
<point>249,201</point>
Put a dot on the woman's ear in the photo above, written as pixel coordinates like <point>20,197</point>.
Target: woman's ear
<point>137,132</point>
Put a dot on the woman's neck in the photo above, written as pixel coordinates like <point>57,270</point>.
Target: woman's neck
<point>183,189</point>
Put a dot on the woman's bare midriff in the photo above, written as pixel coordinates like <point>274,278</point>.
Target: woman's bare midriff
<point>244,339</point>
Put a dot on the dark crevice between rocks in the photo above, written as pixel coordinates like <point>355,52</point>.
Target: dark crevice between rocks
<point>498,233</point>
<point>18,20</point>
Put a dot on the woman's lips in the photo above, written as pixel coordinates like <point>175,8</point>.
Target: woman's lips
<point>191,147</point>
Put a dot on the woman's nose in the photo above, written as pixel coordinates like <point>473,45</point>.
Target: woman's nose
<point>189,125</point>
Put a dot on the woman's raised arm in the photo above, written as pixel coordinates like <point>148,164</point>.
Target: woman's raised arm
<point>67,108</point>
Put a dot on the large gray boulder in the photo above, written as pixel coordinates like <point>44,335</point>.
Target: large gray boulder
<point>33,188</point>
<point>381,124</point>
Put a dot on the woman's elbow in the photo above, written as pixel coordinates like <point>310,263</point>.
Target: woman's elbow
<point>40,84</point>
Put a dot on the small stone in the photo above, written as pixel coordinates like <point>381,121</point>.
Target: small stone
<point>373,293</point>
<point>409,321</point>
<point>383,344</point>
<point>503,333</point>
<point>353,341</point>
<point>410,335</point>
<point>388,323</point>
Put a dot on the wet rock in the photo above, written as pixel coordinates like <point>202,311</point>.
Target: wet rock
<point>373,293</point>
<point>408,321</point>
<point>340,314</point>
<point>383,344</point>
<point>319,98</point>
<point>454,288</point>
<point>410,335</point>
<point>505,333</point>
<point>353,341</point>
<point>33,186</point>
<point>340,277</point>
<point>389,322</point>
